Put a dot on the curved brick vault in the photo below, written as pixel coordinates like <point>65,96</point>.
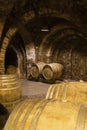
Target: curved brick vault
<point>72,25</point>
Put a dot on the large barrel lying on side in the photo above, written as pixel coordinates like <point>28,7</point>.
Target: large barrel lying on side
<point>10,91</point>
<point>68,91</point>
<point>36,69</point>
<point>52,71</point>
<point>48,115</point>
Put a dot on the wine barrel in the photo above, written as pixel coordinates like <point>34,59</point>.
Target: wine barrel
<point>36,69</point>
<point>68,91</point>
<point>10,90</point>
<point>48,115</point>
<point>52,71</point>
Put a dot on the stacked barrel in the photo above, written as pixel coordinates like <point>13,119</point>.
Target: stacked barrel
<point>36,70</point>
<point>64,108</point>
<point>10,91</point>
<point>46,72</point>
<point>52,71</point>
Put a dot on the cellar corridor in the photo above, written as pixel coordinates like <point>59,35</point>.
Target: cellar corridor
<point>43,53</point>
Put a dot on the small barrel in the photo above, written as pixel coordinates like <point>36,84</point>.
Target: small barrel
<point>48,115</point>
<point>68,91</point>
<point>10,90</point>
<point>36,69</point>
<point>52,71</point>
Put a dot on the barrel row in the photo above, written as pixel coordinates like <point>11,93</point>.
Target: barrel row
<point>47,72</point>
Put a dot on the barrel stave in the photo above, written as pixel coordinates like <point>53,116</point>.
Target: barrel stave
<point>68,91</point>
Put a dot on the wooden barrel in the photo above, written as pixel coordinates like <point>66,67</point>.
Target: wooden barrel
<point>48,115</point>
<point>36,69</point>
<point>68,91</point>
<point>10,90</point>
<point>52,71</point>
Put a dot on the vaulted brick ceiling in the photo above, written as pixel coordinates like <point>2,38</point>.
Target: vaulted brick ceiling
<point>24,19</point>
<point>76,8</point>
<point>69,12</point>
<point>73,11</point>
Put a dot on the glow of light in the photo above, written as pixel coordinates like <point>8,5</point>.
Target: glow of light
<point>45,30</point>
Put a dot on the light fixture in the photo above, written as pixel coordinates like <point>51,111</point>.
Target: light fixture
<point>45,29</point>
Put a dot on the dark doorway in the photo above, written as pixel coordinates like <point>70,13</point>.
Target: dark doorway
<point>10,59</point>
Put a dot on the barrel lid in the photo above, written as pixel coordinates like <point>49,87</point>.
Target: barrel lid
<point>34,71</point>
<point>47,73</point>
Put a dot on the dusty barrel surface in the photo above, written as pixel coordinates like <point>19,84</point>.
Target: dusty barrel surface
<point>68,91</point>
<point>10,90</point>
<point>48,115</point>
<point>52,71</point>
<point>36,69</point>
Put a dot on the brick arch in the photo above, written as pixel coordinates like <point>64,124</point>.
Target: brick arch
<point>25,19</point>
<point>2,23</point>
<point>59,31</point>
<point>43,11</point>
<point>20,60</point>
<point>11,32</point>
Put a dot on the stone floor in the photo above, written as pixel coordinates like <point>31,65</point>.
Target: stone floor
<point>30,89</point>
<point>33,89</point>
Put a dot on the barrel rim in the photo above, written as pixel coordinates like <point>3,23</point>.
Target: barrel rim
<point>36,76</point>
<point>7,76</point>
